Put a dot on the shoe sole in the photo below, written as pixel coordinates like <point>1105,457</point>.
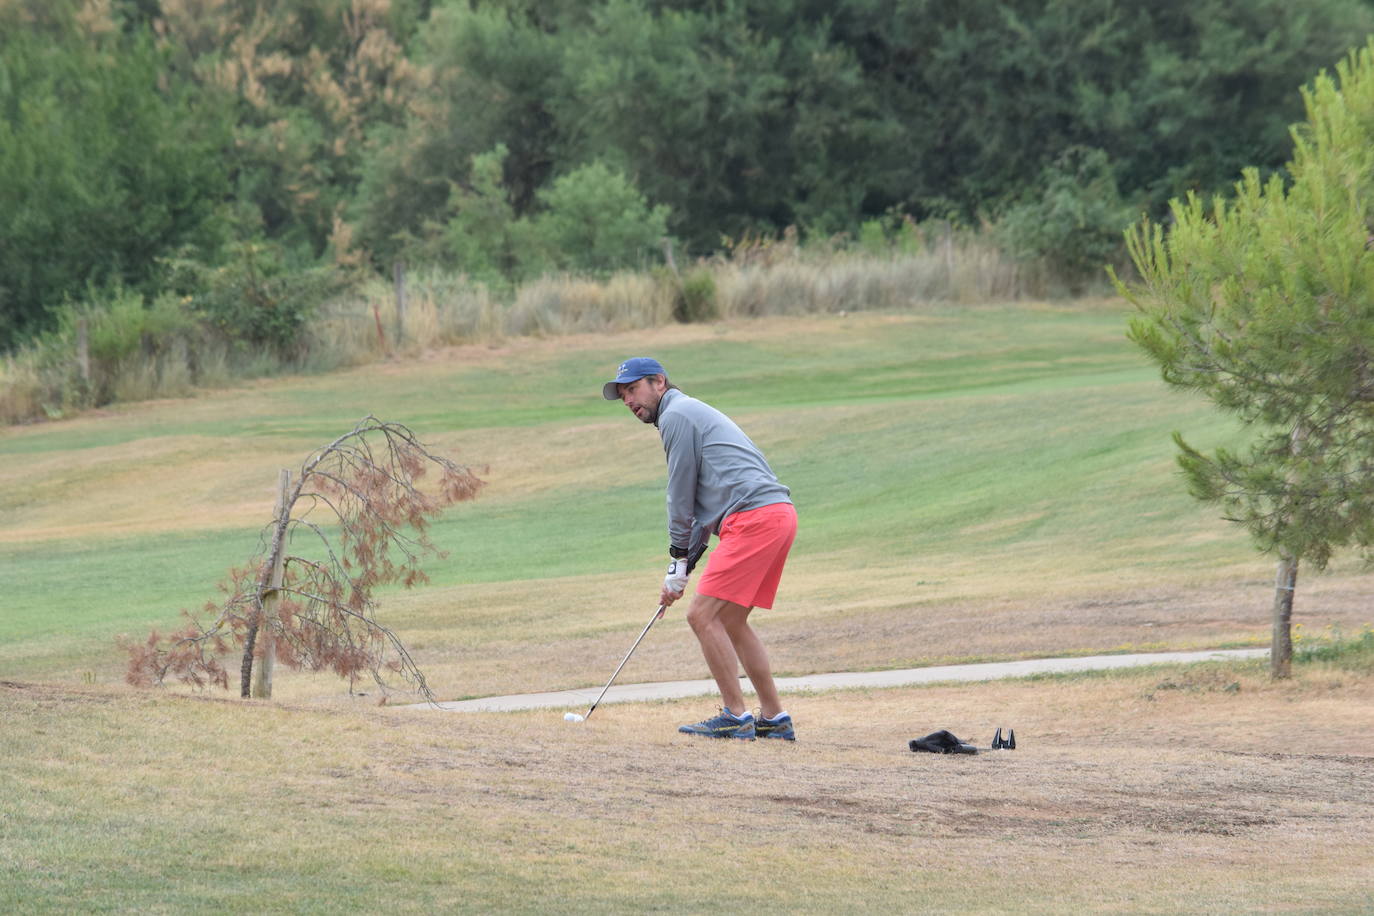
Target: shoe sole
<point>709,735</point>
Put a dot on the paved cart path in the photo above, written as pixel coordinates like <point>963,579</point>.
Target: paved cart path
<point>579,699</point>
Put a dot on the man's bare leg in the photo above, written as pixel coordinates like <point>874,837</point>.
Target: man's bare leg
<point>727,642</point>
<point>704,616</point>
<point>753,656</point>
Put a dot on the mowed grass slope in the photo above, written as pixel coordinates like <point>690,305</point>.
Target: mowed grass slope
<point>977,483</point>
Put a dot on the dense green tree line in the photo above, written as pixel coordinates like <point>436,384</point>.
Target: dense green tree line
<point>101,170</point>
<point>508,137</point>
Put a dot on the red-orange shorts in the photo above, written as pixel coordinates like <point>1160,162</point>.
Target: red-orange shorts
<point>747,563</point>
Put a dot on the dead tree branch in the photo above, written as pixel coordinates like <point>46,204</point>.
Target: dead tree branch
<point>370,482</point>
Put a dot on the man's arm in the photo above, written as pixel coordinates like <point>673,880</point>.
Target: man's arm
<point>682,446</point>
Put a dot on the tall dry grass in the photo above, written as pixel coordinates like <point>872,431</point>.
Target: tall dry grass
<point>792,283</point>
<point>21,391</point>
<point>44,380</point>
<point>562,305</point>
<point>366,324</point>
<point>442,308</point>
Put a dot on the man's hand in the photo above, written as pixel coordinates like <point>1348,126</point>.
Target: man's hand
<point>675,582</point>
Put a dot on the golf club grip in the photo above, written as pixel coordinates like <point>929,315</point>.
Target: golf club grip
<point>691,564</point>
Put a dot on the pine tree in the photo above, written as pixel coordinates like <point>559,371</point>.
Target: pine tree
<point>1265,304</point>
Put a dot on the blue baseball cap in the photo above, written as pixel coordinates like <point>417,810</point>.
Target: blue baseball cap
<point>632,370</point>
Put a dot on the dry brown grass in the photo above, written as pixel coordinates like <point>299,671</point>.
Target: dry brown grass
<point>1170,790</point>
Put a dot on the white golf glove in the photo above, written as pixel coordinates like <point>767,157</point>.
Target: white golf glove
<point>676,580</point>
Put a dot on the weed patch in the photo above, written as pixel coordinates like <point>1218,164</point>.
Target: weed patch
<point>1332,648</point>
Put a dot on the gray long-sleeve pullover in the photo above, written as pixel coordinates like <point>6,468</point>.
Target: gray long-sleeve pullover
<point>714,469</point>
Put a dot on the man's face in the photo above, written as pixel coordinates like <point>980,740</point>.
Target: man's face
<point>642,396</point>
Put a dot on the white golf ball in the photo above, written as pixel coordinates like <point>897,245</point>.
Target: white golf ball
<point>571,717</point>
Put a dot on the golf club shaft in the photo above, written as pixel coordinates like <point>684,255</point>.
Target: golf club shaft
<point>691,564</point>
<point>645,632</point>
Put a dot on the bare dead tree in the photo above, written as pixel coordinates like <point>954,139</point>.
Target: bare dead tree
<point>314,601</point>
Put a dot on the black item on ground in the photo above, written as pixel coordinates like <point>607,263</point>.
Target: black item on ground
<point>942,742</point>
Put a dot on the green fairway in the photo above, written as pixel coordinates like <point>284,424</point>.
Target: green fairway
<point>947,456</point>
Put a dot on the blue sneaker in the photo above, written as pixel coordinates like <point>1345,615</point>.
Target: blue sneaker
<point>725,725</point>
<point>780,727</point>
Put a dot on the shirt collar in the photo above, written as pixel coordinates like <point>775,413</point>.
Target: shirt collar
<point>662,402</point>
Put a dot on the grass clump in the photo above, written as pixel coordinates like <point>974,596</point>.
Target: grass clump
<point>1332,647</point>
<point>939,264</point>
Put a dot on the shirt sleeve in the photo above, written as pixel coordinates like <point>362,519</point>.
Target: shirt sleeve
<point>682,446</point>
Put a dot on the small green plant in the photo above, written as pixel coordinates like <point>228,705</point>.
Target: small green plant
<point>894,234</point>
<point>1335,648</point>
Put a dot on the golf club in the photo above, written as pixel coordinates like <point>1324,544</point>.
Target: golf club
<point>658,614</point>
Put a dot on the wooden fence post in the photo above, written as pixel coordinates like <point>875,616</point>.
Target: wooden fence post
<point>668,258</point>
<point>399,271</point>
<point>949,250</point>
<point>262,683</point>
<point>83,352</point>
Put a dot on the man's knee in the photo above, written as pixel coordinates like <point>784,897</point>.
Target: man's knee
<point>699,614</point>
<point>706,611</point>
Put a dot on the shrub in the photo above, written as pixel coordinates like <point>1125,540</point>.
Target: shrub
<point>1353,653</point>
<point>138,349</point>
<point>1074,222</point>
<point>894,234</point>
<point>595,220</point>
<point>255,298</point>
<point>695,300</point>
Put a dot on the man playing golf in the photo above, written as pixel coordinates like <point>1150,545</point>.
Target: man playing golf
<point>718,483</point>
